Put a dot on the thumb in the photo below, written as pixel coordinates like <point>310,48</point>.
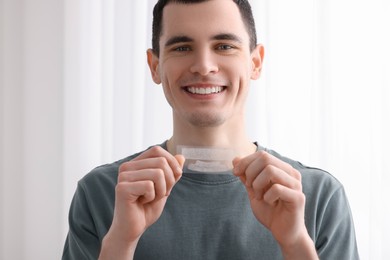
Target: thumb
<point>180,159</point>
<point>236,161</point>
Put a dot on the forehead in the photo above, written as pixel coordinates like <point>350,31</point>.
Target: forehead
<point>203,19</point>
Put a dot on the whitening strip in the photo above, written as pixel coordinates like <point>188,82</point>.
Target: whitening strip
<point>207,159</point>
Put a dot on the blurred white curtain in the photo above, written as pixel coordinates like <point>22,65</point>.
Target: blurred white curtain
<point>76,93</point>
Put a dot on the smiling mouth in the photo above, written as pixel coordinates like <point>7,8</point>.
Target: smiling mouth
<point>205,90</point>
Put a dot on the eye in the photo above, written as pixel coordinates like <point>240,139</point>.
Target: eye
<point>225,47</point>
<point>182,49</point>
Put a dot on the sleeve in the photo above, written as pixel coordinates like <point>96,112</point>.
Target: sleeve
<point>82,241</point>
<point>336,234</point>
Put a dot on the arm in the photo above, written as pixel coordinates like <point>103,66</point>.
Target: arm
<point>82,241</point>
<point>335,237</point>
<point>140,196</point>
<point>275,193</point>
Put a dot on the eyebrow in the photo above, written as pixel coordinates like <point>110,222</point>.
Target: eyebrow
<point>178,39</point>
<point>227,36</point>
<point>185,39</point>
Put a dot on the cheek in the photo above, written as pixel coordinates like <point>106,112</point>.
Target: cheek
<point>172,72</point>
<point>168,96</point>
<point>170,76</point>
<point>239,75</point>
<point>239,65</point>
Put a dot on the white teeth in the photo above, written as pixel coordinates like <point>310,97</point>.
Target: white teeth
<point>205,91</point>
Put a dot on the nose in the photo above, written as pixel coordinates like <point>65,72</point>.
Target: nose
<point>204,63</point>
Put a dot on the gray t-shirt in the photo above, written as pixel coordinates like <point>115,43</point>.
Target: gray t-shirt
<point>208,216</point>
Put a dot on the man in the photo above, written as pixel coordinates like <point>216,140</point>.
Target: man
<point>147,206</point>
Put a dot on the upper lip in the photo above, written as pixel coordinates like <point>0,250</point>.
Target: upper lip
<point>203,84</point>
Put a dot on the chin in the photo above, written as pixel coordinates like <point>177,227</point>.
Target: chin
<point>206,120</point>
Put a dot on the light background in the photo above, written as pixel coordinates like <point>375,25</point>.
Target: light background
<point>76,93</point>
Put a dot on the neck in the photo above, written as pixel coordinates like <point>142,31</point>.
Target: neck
<point>223,136</point>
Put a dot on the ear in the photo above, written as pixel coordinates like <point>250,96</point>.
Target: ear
<point>153,63</point>
<point>257,61</point>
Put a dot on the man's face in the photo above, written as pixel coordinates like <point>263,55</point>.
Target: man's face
<point>205,63</point>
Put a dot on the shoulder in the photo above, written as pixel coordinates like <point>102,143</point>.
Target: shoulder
<point>314,180</point>
<point>325,194</point>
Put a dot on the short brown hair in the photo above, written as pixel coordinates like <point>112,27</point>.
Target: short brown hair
<point>243,5</point>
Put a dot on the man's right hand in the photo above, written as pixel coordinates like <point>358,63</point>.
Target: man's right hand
<point>144,184</point>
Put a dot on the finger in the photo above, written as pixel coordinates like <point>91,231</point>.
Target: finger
<point>292,198</point>
<point>254,164</point>
<point>241,164</point>
<point>158,151</point>
<point>156,176</point>
<point>237,168</point>
<point>272,175</point>
<point>159,164</point>
<point>236,160</point>
<point>262,158</point>
<point>143,191</point>
<point>180,159</point>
